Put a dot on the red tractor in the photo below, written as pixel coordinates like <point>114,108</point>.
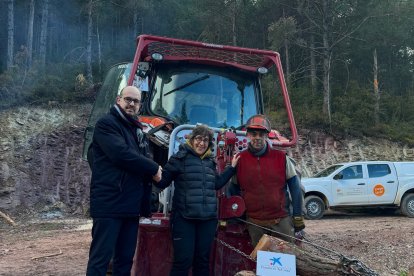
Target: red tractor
<point>185,83</point>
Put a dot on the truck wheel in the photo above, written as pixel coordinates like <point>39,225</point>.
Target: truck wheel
<point>315,207</point>
<point>407,205</point>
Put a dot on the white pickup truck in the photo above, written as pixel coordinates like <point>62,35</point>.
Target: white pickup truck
<point>361,184</point>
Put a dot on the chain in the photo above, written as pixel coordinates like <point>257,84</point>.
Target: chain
<point>351,266</point>
<point>356,267</point>
<point>235,250</point>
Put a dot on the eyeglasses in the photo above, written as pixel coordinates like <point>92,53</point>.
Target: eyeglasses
<point>129,100</point>
<point>200,139</point>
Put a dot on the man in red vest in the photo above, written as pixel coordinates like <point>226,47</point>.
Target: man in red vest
<point>266,177</point>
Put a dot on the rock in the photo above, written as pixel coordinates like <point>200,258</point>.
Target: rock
<point>19,122</point>
<point>4,172</point>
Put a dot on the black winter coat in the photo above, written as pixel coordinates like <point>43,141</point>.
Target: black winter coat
<point>195,183</point>
<point>121,170</point>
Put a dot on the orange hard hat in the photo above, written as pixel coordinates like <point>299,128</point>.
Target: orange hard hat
<point>259,122</point>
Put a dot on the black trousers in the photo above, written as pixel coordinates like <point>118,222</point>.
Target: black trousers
<point>112,237</point>
<point>192,241</point>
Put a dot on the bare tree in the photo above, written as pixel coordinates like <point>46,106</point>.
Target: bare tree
<point>43,32</point>
<point>89,76</point>
<point>327,58</point>
<point>312,63</point>
<point>376,90</point>
<point>10,35</point>
<point>98,40</point>
<point>333,29</point>
<point>281,33</point>
<point>233,23</point>
<point>30,35</point>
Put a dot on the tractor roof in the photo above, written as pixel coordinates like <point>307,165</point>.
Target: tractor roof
<point>193,51</point>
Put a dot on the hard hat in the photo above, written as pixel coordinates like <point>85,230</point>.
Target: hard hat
<point>259,122</point>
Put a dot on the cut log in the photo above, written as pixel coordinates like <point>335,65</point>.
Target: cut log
<point>7,218</point>
<point>48,255</point>
<point>306,263</point>
<point>309,263</point>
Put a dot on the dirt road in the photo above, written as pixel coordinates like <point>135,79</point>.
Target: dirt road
<point>60,246</point>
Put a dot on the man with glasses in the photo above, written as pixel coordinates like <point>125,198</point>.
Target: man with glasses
<point>265,177</point>
<point>120,189</point>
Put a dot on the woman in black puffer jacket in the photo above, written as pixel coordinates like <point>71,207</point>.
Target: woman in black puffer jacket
<point>194,209</point>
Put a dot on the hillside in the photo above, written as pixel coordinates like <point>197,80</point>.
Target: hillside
<point>40,160</point>
<point>41,170</point>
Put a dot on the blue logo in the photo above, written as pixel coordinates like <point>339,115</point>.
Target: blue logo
<point>276,261</point>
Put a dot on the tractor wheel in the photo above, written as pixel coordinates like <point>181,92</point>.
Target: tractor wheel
<point>315,207</point>
<point>407,205</point>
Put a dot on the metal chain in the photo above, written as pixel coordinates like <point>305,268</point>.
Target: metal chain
<point>354,266</point>
<point>305,240</point>
<point>235,250</point>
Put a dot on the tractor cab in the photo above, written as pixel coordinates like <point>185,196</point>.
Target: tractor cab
<point>185,83</point>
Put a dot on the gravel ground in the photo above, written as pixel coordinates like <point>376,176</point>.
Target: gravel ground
<point>60,246</point>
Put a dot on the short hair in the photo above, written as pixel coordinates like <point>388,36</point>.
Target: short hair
<point>203,130</point>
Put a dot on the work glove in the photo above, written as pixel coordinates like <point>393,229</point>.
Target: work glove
<point>298,223</point>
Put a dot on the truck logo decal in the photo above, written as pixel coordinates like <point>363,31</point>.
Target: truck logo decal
<point>378,190</point>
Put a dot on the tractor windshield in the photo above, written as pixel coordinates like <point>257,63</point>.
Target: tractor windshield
<point>191,94</point>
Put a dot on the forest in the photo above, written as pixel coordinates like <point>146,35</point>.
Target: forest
<point>348,63</point>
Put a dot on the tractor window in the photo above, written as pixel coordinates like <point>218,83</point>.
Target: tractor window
<point>115,80</point>
<point>193,94</point>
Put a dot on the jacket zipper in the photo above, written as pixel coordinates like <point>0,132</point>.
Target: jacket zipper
<point>204,182</point>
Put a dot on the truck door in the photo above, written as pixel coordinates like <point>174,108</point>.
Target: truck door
<point>382,183</point>
<point>349,187</point>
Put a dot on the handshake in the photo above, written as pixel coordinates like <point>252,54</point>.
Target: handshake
<point>157,177</point>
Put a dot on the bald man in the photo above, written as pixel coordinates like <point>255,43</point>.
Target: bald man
<point>120,189</point>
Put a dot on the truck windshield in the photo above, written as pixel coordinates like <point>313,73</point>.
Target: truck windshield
<point>192,94</point>
<point>327,171</point>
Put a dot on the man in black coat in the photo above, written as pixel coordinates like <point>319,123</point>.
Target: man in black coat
<point>121,185</point>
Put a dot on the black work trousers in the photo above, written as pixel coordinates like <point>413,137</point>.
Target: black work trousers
<point>192,241</point>
<point>112,237</point>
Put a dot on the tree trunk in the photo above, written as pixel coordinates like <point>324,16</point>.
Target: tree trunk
<point>327,52</point>
<point>135,20</point>
<point>135,23</point>
<point>376,90</point>
<point>234,23</point>
<point>312,63</point>
<point>10,34</point>
<point>30,35</point>
<point>43,33</point>
<point>89,46</point>
<point>288,76</point>
<point>99,46</point>
<point>326,109</point>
